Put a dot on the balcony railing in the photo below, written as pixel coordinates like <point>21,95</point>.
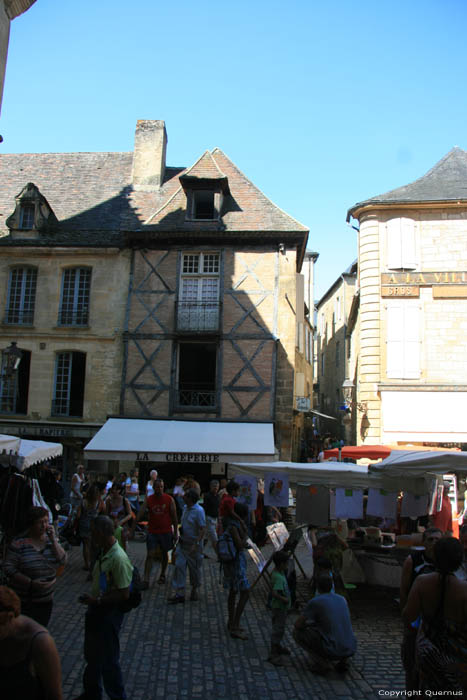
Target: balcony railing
<point>197,315</point>
<point>195,398</point>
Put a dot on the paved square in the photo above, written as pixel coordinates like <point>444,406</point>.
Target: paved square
<point>184,651</point>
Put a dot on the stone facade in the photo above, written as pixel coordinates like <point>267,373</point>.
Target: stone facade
<point>333,311</point>
<point>413,310</point>
<point>196,302</point>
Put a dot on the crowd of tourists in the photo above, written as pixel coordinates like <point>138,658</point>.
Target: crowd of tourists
<point>180,529</point>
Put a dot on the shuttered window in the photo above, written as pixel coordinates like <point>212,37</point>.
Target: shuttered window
<point>403,341</point>
<point>401,244</point>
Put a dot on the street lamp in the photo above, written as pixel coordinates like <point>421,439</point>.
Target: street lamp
<point>347,391</point>
<point>11,357</point>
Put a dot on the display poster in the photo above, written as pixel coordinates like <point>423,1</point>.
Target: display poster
<point>349,503</point>
<point>312,505</point>
<point>248,490</point>
<point>382,503</point>
<point>414,506</point>
<point>257,556</point>
<point>276,490</point>
<point>278,534</point>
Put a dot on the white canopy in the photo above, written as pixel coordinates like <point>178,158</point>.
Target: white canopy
<point>181,441</point>
<point>332,474</point>
<point>401,463</point>
<point>35,451</point>
<point>9,444</point>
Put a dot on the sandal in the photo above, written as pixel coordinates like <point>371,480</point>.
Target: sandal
<point>238,634</point>
<point>161,579</point>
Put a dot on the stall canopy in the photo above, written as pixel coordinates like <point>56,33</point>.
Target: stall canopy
<point>29,452</point>
<point>9,444</point>
<point>181,441</point>
<point>332,474</point>
<point>34,451</point>
<point>401,462</point>
<point>359,452</point>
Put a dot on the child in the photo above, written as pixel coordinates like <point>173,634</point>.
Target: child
<point>280,604</point>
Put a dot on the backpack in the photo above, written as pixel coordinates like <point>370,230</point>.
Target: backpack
<point>226,549</point>
<point>135,596</point>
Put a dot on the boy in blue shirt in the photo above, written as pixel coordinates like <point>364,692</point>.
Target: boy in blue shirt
<point>280,604</point>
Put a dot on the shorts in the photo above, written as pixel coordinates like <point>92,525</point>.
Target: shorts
<point>164,540</point>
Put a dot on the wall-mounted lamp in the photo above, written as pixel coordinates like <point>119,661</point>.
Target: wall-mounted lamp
<point>347,391</point>
<point>11,357</point>
<point>282,248</point>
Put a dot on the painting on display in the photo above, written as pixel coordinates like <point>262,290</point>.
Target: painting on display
<point>276,490</point>
<point>278,534</point>
<point>248,490</point>
<point>312,505</point>
<point>256,554</point>
<point>349,503</point>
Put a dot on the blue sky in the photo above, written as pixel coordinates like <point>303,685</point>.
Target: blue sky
<point>320,104</point>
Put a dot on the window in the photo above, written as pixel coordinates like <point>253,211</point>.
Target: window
<point>197,363</point>
<point>401,244</point>
<point>403,341</point>
<point>26,219</point>
<point>337,308</point>
<point>14,390</point>
<point>21,295</point>
<point>338,352</point>
<point>198,306</point>
<point>70,368</point>
<point>74,307</point>
<point>203,204</point>
<point>322,363</point>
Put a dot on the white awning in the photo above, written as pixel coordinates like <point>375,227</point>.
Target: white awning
<point>181,441</point>
<point>322,415</point>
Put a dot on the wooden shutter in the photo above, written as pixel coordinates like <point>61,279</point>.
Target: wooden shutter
<point>395,342</point>
<point>411,341</point>
<point>408,248</point>
<point>403,341</point>
<point>394,246</point>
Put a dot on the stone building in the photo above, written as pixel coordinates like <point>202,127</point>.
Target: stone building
<point>9,9</point>
<point>64,275</point>
<point>412,280</point>
<point>152,293</point>
<point>334,352</point>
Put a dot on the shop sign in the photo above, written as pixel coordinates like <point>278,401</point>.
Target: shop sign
<point>180,457</point>
<point>424,278</point>
<point>303,403</point>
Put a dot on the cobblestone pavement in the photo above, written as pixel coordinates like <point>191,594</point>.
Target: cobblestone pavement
<point>184,651</point>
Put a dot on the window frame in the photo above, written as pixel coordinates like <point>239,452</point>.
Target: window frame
<point>75,313</point>
<point>27,214</point>
<point>21,311</point>
<point>67,395</point>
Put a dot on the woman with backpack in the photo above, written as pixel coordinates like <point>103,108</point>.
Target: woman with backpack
<point>235,578</point>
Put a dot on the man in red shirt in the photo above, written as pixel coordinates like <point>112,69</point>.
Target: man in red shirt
<point>162,528</point>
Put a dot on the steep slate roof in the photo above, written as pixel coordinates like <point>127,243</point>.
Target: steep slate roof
<point>95,203</point>
<point>445,182</point>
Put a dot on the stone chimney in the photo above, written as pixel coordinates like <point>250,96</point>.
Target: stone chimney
<point>149,153</point>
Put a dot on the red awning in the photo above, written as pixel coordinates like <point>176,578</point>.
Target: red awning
<point>358,452</point>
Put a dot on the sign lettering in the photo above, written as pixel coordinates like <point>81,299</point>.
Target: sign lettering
<point>405,291</point>
<point>424,278</point>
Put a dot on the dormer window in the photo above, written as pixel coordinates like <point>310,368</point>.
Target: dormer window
<point>26,219</point>
<point>32,216</point>
<point>203,205</point>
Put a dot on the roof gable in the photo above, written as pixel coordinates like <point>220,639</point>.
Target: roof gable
<point>445,182</point>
